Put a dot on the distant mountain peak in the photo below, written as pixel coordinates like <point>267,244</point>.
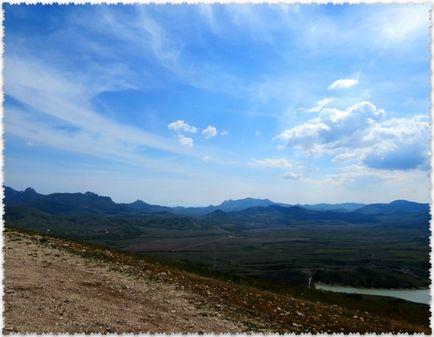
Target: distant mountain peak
<point>139,202</point>
<point>401,202</point>
<point>396,206</point>
<point>29,190</point>
<point>91,194</point>
<point>239,204</point>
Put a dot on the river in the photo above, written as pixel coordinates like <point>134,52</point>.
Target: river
<point>412,295</point>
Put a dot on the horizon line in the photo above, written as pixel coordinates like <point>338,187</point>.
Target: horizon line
<point>212,205</point>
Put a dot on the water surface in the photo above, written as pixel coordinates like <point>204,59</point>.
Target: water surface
<point>412,295</point>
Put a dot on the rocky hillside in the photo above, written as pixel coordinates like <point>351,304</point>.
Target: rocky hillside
<point>58,286</point>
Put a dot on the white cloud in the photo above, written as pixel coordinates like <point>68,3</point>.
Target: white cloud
<point>206,158</point>
<point>279,163</point>
<point>180,125</point>
<point>185,141</point>
<point>345,156</point>
<point>273,163</point>
<point>207,11</point>
<point>224,133</point>
<point>209,132</point>
<point>333,125</point>
<point>292,176</point>
<point>144,33</point>
<point>404,23</point>
<point>362,134</point>
<point>399,143</point>
<point>343,84</point>
<point>397,26</point>
<point>320,104</point>
<point>258,133</point>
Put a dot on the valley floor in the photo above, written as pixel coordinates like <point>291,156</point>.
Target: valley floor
<point>58,286</point>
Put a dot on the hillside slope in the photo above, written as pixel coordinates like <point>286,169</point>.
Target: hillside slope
<point>58,286</point>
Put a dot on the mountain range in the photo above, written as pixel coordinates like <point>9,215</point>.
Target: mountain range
<point>382,245</point>
<point>89,202</point>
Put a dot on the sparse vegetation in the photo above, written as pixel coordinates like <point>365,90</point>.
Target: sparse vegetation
<point>243,300</point>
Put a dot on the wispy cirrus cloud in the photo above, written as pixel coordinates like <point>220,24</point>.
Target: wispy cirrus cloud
<point>282,164</point>
<point>273,163</point>
<point>56,111</point>
<point>320,104</point>
<point>155,41</point>
<point>292,176</point>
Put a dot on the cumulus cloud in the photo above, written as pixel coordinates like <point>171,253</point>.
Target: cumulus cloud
<point>224,133</point>
<point>361,133</point>
<point>180,125</point>
<point>333,126</point>
<point>273,163</point>
<point>343,83</point>
<point>399,144</point>
<point>403,157</point>
<point>185,141</point>
<point>209,132</point>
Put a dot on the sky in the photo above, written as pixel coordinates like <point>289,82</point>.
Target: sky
<point>196,104</point>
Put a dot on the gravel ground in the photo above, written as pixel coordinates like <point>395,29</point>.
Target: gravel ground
<point>51,290</point>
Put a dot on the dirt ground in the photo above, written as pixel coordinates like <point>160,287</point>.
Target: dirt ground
<point>51,290</point>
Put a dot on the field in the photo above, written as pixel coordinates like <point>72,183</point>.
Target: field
<point>354,256</point>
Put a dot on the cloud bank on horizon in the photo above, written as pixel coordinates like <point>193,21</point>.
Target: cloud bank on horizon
<point>194,104</point>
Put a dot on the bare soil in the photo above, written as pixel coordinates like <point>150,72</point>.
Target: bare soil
<point>57,286</point>
<point>51,290</point>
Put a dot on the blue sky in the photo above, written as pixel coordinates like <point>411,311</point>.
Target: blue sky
<point>194,104</point>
